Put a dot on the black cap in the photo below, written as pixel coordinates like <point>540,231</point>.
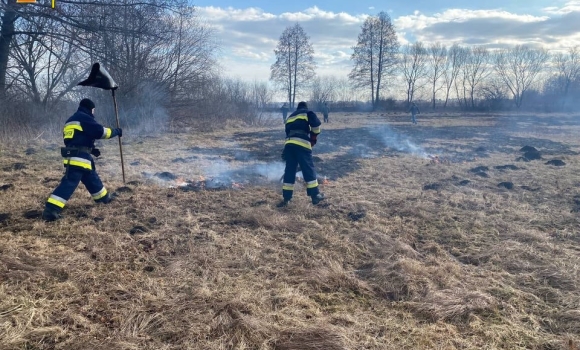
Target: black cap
<point>85,102</point>
<point>302,105</point>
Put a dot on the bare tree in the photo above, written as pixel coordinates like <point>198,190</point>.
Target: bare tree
<point>475,69</point>
<point>567,71</point>
<point>323,89</point>
<point>519,67</point>
<point>294,64</point>
<point>455,60</point>
<point>375,55</point>
<point>89,26</point>
<point>437,63</point>
<point>46,68</point>
<point>414,67</point>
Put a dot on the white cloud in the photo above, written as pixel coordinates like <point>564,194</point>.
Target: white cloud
<point>570,6</point>
<point>491,28</point>
<point>249,35</point>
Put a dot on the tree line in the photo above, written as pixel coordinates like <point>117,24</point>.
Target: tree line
<point>165,59</point>
<point>469,76</point>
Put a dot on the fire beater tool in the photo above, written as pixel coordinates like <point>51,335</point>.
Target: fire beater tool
<point>100,78</point>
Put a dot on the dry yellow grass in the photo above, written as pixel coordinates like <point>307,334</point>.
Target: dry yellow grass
<point>383,264</point>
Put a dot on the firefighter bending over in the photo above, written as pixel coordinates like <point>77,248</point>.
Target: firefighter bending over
<point>302,129</point>
<point>80,132</point>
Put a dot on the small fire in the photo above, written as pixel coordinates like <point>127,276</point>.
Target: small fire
<point>201,178</point>
<point>325,181</point>
<point>237,185</point>
<point>435,159</point>
<point>180,182</point>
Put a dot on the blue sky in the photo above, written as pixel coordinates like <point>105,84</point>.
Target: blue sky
<point>248,31</point>
<point>395,8</point>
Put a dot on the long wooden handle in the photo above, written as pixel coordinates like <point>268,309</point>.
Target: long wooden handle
<point>119,126</point>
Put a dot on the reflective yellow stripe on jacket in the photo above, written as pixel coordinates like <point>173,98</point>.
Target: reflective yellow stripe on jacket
<point>106,133</point>
<point>298,141</point>
<point>69,129</point>
<point>302,116</point>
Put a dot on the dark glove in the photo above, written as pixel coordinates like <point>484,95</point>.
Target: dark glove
<point>117,132</point>
<point>95,152</point>
<point>313,139</point>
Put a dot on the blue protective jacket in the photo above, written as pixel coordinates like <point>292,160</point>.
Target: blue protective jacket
<point>81,130</point>
<point>300,125</point>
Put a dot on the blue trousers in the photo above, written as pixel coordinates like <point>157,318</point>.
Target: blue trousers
<point>297,155</point>
<point>70,182</point>
<point>413,118</point>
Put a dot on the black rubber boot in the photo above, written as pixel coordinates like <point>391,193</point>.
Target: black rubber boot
<point>107,199</point>
<point>318,198</point>
<point>283,204</point>
<point>50,215</point>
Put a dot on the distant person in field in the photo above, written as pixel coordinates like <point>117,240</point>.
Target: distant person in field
<point>284,110</point>
<point>325,111</point>
<point>80,132</point>
<point>302,129</point>
<point>414,110</point>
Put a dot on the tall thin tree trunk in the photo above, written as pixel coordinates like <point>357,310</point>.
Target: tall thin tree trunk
<point>6,35</point>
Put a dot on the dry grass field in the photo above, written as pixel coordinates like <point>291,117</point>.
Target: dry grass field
<point>404,254</point>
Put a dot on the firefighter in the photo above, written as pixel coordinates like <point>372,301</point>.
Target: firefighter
<point>414,110</point>
<point>80,132</point>
<point>325,111</point>
<point>302,129</point>
<point>284,110</point>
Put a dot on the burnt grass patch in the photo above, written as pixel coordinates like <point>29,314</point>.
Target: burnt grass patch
<point>556,162</point>
<point>383,264</point>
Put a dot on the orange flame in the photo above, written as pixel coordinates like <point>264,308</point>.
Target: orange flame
<point>180,181</point>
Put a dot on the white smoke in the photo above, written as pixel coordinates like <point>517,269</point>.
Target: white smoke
<point>401,143</point>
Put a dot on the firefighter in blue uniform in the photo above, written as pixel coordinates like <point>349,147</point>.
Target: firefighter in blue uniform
<point>80,132</point>
<point>302,129</point>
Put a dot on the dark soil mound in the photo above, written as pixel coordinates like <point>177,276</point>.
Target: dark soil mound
<point>15,166</point>
<point>528,149</point>
<point>464,182</point>
<point>134,183</point>
<point>6,187</point>
<point>556,162</point>
<point>507,166</point>
<point>4,217</point>
<point>124,189</point>
<point>135,163</point>
<point>479,169</point>
<point>482,174</point>
<point>356,216</point>
<point>138,229</point>
<point>532,155</point>
<point>32,214</point>
<point>528,188</point>
<point>30,151</point>
<point>506,184</point>
<point>434,186</point>
<point>179,160</point>
<point>480,149</point>
<point>166,175</point>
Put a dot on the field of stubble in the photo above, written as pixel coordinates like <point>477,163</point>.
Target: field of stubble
<point>416,247</point>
